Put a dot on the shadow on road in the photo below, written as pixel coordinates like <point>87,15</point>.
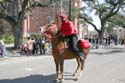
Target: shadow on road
<point>38,79</point>
<point>31,79</point>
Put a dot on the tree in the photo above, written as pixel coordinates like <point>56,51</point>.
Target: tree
<point>118,19</point>
<point>4,31</point>
<point>103,10</point>
<point>21,7</point>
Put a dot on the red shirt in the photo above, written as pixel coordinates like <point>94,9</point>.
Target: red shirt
<point>68,28</point>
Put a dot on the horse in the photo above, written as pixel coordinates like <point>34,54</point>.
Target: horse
<point>61,53</point>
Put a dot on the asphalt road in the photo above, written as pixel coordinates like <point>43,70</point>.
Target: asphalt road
<point>105,65</point>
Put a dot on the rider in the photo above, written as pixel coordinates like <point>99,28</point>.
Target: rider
<point>69,32</point>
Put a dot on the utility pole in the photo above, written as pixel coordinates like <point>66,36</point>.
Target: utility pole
<point>70,7</point>
<point>61,8</point>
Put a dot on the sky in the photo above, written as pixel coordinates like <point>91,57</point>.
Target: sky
<point>96,20</point>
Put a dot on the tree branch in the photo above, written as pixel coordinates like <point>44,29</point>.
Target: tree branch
<point>90,23</point>
<point>2,5</point>
<point>112,12</point>
<point>115,23</point>
<point>8,18</point>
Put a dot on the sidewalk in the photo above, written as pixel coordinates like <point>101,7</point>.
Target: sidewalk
<point>102,50</point>
<point>108,49</point>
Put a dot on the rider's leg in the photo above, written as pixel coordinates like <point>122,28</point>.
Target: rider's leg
<point>73,45</point>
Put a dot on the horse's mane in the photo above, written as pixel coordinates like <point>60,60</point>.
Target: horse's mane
<point>60,36</point>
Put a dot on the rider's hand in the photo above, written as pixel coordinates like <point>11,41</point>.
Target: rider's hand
<point>63,35</point>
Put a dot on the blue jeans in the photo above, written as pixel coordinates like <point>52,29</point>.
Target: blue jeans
<point>4,52</point>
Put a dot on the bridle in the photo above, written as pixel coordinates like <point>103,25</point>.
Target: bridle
<point>52,33</point>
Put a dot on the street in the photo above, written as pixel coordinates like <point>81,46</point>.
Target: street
<point>105,65</point>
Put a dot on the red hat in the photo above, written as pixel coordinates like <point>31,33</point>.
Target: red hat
<point>63,16</point>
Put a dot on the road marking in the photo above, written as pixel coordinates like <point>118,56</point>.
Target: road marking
<point>28,69</point>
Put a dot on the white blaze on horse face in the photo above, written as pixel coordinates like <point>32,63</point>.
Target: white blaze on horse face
<point>42,29</point>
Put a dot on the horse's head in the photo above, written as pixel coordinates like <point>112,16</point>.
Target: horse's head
<point>49,31</point>
<point>52,34</point>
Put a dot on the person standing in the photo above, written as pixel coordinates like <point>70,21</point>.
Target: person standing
<point>35,42</point>
<point>42,46</point>
<point>3,49</point>
<point>29,46</point>
<point>96,42</point>
<point>69,32</point>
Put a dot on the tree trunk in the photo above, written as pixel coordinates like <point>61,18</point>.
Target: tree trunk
<point>18,37</point>
<point>19,27</point>
<point>101,34</point>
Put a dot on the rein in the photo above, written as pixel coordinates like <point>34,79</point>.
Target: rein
<point>57,49</point>
<point>54,33</point>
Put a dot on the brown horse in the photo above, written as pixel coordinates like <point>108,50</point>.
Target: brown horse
<point>60,53</point>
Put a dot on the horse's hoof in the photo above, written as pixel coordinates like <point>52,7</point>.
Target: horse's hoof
<point>57,80</point>
<point>61,80</point>
<point>76,79</point>
<point>74,74</point>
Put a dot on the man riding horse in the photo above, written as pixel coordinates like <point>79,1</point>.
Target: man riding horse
<point>56,36</point>
<point>69,32</point>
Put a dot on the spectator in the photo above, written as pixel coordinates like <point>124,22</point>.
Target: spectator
<point>29,46</point>
<point>93,42</point>
<point>96,42</point>
<point>23,48</point>
<point>35,45</point>
<point>0,51</point>
<point>109,41</point>
<point>42,46</point>
<point>3,49</point>
<point>47,47</point>
<point>123,41</point>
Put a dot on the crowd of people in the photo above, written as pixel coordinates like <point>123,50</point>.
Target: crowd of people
<point>108,41</point>
<point>35,46</point>
<point>41,46</point>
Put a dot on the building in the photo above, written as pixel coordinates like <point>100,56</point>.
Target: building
<point>38,18</point>
<point>40,15</point>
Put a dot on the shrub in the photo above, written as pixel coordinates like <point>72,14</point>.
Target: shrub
<point>8,39</point>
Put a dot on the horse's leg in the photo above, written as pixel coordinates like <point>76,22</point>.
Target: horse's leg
<point>62,70</point>
<point>78,66</point>
<point>82,63</point>
<point>57,71</point>
<point>81,69</point>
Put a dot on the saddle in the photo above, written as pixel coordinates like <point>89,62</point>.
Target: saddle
<point>81,44</point>
<point>84,44</point>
